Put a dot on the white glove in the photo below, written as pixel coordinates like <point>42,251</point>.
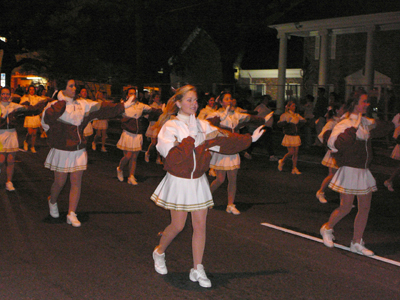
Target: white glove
<point>129,102</point>
<point>193,126</point>
<point>268,119</point>
<point>257,134</point>
<point>225,113</point>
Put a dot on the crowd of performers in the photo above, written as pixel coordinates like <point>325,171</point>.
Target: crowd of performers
<point>188,143</point>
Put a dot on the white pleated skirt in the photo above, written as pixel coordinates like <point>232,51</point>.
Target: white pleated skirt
<point>329,161</point>
<point>130,141</point>
<point>100,124</point>
<point>225,162</point>
<point>291,141</point>
<point>88,131</point>
<point>32,122</point>
<point>182,194</point>
<point>396,152</point>
<point>66,161</point>
<point>353,181</point>
<point>9,140</point>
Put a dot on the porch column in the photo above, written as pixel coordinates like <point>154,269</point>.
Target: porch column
<point>369,58</point>
<point>323,58</point>
<point>280,101</point>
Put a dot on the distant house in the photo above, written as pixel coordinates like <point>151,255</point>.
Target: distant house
<point>262,82</point>
<point>334,49</point>
<point>197,62</point>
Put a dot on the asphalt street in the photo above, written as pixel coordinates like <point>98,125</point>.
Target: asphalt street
<point>109,256</point>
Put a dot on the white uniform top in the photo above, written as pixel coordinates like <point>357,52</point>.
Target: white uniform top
<point>32,99</point>
<point>233,118</point>
<point>205,112</point>
<point>8,107</point>
<point>136,110</point>
<point>175,130</point>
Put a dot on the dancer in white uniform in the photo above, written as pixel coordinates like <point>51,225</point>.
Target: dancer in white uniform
<point>31,122</point>
<point>227,165</point>
<point>8,132</point>
<point>64,121</point>
<point>131,139</point>
<point>291,123</point>
<point>351,146</point>
<point>332,116</point>
<point>395,153</point>
<point>185,142</point>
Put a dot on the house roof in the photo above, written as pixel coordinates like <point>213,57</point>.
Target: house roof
<point>342,25</point>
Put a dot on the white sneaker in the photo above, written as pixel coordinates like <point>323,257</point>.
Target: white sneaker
<point>321,197</point>
<point>212,173</point>
<point>231,208</point>
<point>296,171</point>
<point>389,185</point>
<point>280,164</point>
<point>10,186</point>
<point>159,263</point>
<point>147,157</point>
<point>247,155</point>
<point>200,276</point>
<point>360,248</point>
<point>33,150</point>
<point>73,220</point>
<point>26,146</point>
<point>94,146</point>
<point>327,236</point>
<point>120,174</point>
<point>53,209</point>
<point>132,180</point>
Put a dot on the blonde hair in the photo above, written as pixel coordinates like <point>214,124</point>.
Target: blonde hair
<point>171,109</point>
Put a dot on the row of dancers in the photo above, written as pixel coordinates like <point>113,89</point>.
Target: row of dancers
<point>190,146</point>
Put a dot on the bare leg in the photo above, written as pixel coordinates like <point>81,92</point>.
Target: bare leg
<point>289,154</point>
<point>232,176</point>
<point>10,165</point>
<point>219,179</point>
<point>125,159</point>
<point>360,222</point>
<point>178,221</point>
<point>199,219</point>
<point>103,137</point>
<point>346,204</point>
<point>327,179</point>
<point>33,134</point>
<point>2,159</point>
<point>57,186</point>
<point>152,144</point>
<point>132,163</point>
<point>394,174</point>
<point>294,157</point>
<point>97,136</point>
<point>75,191</point>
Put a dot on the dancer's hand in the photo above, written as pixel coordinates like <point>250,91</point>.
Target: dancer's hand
<point>130,101</point>
<point>225,113</point>
<point>193,126</point>
<point>358,121</point>
<point>257,133</point>
<point>268,119</point>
